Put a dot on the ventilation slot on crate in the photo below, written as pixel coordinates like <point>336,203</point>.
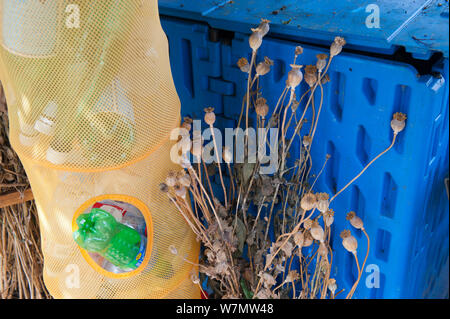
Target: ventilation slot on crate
<point>279,70</point>
<point>337,93</point>
<point>362,146</point>
<point>370,87</point>
<point>382,245</point>
<point>389,196</point>
<point>332,169</point>
<point>186,57</point>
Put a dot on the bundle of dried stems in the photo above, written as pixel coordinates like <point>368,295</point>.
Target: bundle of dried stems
<point>270,235</point>
<point>20,254</point>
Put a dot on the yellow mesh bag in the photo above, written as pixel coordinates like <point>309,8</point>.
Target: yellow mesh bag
<point>91,106</point>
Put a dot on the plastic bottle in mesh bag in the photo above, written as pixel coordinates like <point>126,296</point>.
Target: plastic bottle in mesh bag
<point>99,232</point>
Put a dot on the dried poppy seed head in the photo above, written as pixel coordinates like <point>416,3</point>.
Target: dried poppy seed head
<point>307,140</point>
<point>336,46</point>
<point>322,196</point>
<point>322,202</point>
<point>171,179</point>
<point>332,286</point>
<point>264,67</point>
<point>261,107</point>
<point>243,65</point>
<point>328,217</point>
<point>325,79</point>
<point>350,243</point>
<point>292,276</point>
<point>163,187</point>
<point>399,116</point>
<point>308,239</point>
<point>398,122</point>
<point>181,173</point>
<point>340,41</point>
<point>307,224</point>
<point>226,154</point>
<point>210,117</point>
<point>188,120</point>
<point>345,233</point>
<point>310,79</point>
<point>295,76</point>
<point>180,190</point>
<point>317,232</point>
<point>350,215</point>
<point>264,27</point>
<point>354,220</point>
<point>310,75</point>
<point>322,251</point>
<point>185,142</point>
<point>310,69</point>
<point>298,50</point>
<point>255,39</point>
<point>308,201</point>
<point>186,126</point>
<point>185,180</point>
<point>299,238</point>
<point>321,56</point>
<point>185,162</point>
<point>321,61</point>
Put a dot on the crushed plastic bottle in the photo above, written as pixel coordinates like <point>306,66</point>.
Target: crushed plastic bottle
<point>99,232</point>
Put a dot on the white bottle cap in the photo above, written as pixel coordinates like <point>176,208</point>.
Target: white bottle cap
<point>45,124</point>
<point>56,157</point>
<point>27,129</point>
<point>27,140</point>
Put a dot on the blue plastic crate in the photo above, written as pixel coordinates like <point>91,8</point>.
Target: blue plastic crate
<point>421,27</point>
<point>401,198</point>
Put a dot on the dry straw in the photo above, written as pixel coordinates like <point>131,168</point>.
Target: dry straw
<point>20,255</point>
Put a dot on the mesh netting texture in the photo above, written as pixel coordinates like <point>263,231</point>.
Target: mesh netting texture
<point>91,105</point>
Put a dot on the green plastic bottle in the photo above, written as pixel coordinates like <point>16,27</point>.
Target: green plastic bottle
<point>99,232</point>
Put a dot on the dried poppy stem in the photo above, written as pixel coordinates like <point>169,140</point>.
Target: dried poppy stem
<point>201,228</point>
<point>281,98</point>
<point>202,291</point>
<point>248,87</point>
<point>194,229</point>
<point>232,193</point>
<point>200,200</point>
<point>318,112</point>
<point>192,171</point>
<point>257,216</point>
<point>320,172</point>
<point>293,113</point>
<point>216,151</point>
<point>321,75</point>
<point>355,285</point>
<point>365,168</point>
<point>207,179</point>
